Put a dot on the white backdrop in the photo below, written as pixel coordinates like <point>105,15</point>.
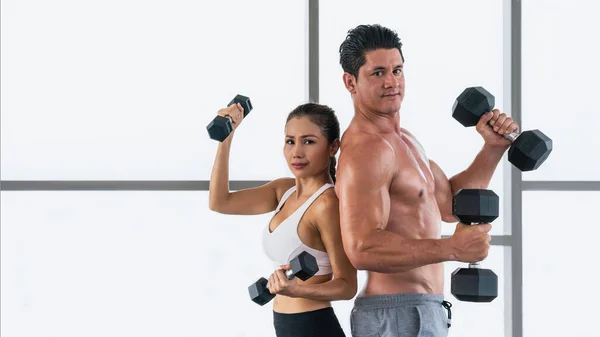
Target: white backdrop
<point>123,90</point>
<point>560,72</point>
<point>560,259</point>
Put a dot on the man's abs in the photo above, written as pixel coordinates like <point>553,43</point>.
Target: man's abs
<point>414,214</point>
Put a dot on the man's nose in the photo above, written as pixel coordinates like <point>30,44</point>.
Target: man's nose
<point>391,81</point>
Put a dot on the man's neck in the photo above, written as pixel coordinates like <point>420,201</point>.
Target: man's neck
<point>380,122</point>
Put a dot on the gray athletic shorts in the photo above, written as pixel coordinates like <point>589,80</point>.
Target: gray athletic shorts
<point>422,315</point>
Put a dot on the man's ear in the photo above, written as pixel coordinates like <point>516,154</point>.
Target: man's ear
<point>349,82</point>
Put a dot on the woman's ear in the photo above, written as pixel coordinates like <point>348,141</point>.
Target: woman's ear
<point>334,147</point>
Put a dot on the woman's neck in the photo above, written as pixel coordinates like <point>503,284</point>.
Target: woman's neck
<point>309,185</point>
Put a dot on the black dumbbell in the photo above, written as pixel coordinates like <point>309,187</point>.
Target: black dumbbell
<point>475,284</point>
<point>529,148</point>
<point>303,266</point>
<point>220,127</point>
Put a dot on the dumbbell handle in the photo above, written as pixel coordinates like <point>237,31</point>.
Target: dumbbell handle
<point>228,117</point>
<point>477,264</point>
<point>512,136</point>
<point>288,273</point>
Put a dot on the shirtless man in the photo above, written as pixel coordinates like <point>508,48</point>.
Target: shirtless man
<point>393,198</point>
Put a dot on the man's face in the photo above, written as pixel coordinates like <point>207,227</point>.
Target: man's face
<point>380,83</point>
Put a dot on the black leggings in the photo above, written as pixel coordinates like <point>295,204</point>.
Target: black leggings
<point>322,322</point>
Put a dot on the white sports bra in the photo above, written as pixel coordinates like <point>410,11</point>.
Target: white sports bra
<point>283,244</point>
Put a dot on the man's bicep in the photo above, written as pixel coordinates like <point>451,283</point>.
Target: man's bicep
<point>364,201</point>
<point>443,192</point>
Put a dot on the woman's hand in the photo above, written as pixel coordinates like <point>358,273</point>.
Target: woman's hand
<point>279,283</point>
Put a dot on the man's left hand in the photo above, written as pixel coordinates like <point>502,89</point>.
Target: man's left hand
<point>501,125</point>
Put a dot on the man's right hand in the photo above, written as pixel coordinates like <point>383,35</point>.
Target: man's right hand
<point>235,112</point>
<point>471,243</point>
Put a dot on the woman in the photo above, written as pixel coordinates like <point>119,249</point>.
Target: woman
<point>306,218</point>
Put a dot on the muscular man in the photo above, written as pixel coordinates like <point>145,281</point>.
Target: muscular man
<point>393,198</point>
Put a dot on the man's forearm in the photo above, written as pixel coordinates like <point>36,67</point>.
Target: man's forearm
<point>481,170</point>
<point>387,252</point>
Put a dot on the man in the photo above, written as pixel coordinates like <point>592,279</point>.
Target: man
<point>393,198</point>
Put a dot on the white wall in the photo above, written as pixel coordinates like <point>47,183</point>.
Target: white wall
<point>123,90</point>
<point>128,264</point>
<point>560,263</point>
<point>561,49</point>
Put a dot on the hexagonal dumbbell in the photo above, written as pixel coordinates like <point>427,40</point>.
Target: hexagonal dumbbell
<point>475,284</point>
<point>303,266</point>
<point>220,127</point>
<point>529,148</point>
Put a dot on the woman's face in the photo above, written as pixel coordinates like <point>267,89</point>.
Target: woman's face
<point>306,149</point>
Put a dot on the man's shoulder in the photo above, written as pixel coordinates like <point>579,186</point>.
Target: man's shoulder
<point>359,141</point>
<point>413,139</point>
<point>409,134</point>
<point>365,151</point>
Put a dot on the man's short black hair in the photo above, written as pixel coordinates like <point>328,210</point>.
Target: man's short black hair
<point>365,38</point>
